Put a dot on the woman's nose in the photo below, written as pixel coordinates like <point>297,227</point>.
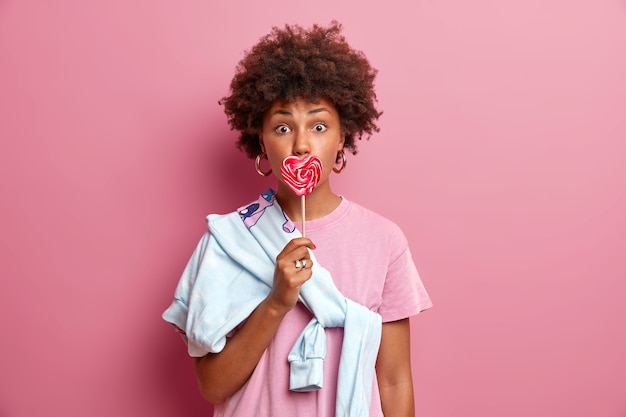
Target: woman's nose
<point>301,144</point>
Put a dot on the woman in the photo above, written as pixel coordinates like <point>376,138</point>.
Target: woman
<point>301,93</point>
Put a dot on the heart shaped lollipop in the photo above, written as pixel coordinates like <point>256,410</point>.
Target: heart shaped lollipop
<point>301,175</point>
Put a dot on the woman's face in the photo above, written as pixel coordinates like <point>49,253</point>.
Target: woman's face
<point>302,128</point>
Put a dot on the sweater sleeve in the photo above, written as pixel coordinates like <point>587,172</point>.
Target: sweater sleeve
<point>177,312</point>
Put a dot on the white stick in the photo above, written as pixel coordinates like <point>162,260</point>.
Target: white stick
<point>303,217</point>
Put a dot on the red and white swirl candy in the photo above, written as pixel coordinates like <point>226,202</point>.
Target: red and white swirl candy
<point>301,175</point>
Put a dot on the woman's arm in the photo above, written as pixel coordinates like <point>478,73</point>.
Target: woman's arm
<point>221,374</point>
<point>393,370</point>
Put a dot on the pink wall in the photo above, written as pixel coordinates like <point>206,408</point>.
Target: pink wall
<point>502,155</point>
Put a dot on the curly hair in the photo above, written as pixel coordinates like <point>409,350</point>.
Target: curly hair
<point>292,63</point>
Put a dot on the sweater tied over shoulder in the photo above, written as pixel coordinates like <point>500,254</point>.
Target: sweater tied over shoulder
<point>231,273</point>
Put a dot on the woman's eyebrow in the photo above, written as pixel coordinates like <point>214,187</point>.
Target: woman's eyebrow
<point>282,112</point>
<point>319,110</point>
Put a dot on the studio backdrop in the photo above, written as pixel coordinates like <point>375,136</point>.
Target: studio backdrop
<point>501,154</point>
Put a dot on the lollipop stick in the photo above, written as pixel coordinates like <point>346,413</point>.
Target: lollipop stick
<point>303,213</point>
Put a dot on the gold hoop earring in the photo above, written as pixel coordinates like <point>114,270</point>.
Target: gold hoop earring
<point>257,165</point>
<point>344,161</point>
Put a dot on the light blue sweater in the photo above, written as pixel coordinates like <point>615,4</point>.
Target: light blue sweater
<point>232,271</point>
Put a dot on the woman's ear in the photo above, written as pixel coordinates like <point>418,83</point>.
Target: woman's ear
<point>342,140</point>
<point>261,142</point>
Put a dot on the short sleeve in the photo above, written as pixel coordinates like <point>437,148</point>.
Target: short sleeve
<point>404,294</point>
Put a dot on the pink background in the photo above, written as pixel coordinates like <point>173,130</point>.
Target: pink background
<point>502,156</point>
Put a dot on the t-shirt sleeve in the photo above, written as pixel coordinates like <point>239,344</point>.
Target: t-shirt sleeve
<point>404,294</point>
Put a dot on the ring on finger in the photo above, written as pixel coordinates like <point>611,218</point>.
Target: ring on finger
<point>300,264</point>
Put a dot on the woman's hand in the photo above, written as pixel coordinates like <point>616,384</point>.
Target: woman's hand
<point>293,269</point>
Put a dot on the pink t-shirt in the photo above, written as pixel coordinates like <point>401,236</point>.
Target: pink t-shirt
<point>370,262</point>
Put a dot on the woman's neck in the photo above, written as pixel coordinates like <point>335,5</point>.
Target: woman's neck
<point>321,202</point>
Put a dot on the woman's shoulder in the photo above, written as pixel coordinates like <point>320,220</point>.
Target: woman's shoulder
<point>374,220</point>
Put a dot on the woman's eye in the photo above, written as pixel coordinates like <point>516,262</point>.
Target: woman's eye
<point>282,129</point>
<point>320,127</point>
